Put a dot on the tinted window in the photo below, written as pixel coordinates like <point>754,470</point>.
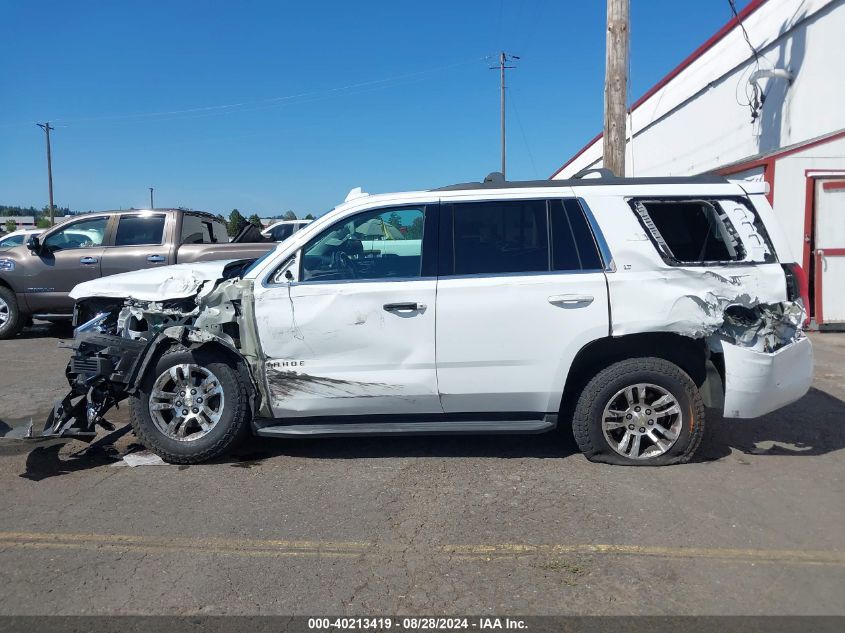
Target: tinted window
<point>378,244</point>
<point>500,237</point>
<point>281,232</point>
<point>573,246</point>
<point>201,229</point>
<point>138,230</point>
<point>81,234</point>
<point>15,240</point>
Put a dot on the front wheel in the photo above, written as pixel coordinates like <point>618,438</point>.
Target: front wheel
<point>191,407</point>
<point>11,320</point>
<point>639,412</point>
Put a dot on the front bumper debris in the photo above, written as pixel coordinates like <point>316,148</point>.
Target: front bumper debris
<point>100,374</point>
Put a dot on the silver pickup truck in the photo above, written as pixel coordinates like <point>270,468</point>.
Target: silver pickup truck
<point>36,277</point>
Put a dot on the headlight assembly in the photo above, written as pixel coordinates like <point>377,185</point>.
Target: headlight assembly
<point>7,264</point>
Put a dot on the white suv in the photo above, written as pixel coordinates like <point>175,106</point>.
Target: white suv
<point>620,306</point>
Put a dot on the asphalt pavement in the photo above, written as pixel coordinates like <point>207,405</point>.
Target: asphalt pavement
<point>456,525</point>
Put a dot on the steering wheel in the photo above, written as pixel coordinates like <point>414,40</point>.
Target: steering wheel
<point>342,260</point>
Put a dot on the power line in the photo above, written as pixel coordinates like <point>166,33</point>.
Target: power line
<point>268,102</point>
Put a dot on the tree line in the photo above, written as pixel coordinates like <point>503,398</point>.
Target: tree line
<point>237,221</point>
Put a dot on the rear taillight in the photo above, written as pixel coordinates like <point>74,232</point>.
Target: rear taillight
<point>797,287</point>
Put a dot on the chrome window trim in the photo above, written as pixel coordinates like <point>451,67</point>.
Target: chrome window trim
<point>531,273</point>
<point>598,236</point>
<point>325,282</point>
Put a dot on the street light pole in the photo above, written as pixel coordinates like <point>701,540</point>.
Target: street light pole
<point>504,58</point>
<point>47,127</point>
<point>152,206</point>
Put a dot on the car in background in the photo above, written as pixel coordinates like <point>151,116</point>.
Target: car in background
<point>17,238</point>
<point>280,231</point>
<point>37,275</point>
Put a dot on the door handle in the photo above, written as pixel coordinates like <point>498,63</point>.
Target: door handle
<point>88,260</point>
<point>402,307</point>
<point>571,300</point>
<point>155,258</point>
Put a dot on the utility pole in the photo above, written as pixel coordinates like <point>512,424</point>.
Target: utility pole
<point>504,58</point>
<point>615,85</point>
<point>152,206</point>
<point>47,127</point>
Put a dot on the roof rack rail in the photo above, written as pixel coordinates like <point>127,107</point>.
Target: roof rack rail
<point>603,172</point>
<point>495,180</point>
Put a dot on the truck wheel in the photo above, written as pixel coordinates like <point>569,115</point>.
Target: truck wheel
<point>190,408</point>
<point>639,412</point>
<point>11,320</point>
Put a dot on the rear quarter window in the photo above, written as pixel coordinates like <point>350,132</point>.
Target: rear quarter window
<point>698,231</point>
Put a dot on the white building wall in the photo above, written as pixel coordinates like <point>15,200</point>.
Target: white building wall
<point>694,123</point>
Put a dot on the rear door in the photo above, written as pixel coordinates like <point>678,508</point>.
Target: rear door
<point>137,241</point>
<point>521,290</point>
<point>352,330</point>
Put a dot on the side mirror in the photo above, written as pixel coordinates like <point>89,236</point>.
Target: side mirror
<point>34,244</point>
<point>288,275</point>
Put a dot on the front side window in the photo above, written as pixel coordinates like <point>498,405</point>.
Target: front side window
<point>508,236</point>
<point>377,244</point>
<point>81,234</point>
<point>139,230</point>
<point>15,240</point>
<point>201,229</point>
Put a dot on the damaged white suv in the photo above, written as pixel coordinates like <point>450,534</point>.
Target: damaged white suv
<point>620,306</point>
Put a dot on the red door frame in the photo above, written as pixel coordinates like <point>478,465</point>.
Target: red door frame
<point>811,176</point>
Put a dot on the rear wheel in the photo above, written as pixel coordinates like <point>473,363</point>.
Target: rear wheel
<point>191,407</point>
<point>639,412</point>
<point>11,320</point>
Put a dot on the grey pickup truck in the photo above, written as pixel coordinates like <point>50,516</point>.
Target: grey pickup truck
<point>36,277</point>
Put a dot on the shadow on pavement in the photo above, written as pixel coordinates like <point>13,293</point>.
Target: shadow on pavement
<point>815,425</point>
<point>44,462</point>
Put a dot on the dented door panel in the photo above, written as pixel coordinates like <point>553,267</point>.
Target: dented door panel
<point>757,382</point>
<point>333,348</point>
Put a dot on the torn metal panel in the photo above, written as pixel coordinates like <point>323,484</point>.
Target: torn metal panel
<point>153,284</point>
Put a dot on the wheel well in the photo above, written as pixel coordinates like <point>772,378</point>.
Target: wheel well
<point>687,353</point>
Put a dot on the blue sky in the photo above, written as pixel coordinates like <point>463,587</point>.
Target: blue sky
<point>270,106</point>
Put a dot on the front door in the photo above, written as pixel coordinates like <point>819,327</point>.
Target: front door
<point>829,258</point>
<point>70,254</point>
<point>352,331</point>
<point>520,292</point>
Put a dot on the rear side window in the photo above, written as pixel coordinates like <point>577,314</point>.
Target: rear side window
<point>200,229</point>
<point>139,230</point>
<point>500,237</point>
<point>573,246</point>
<point>696,231</point>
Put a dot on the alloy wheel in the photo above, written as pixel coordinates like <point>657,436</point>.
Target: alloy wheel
<point>642,421</point>
<point>186,402</point>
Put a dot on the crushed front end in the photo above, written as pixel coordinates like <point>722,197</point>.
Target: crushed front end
<point>109,350</point>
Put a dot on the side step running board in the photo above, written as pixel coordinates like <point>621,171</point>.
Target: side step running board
<point>464,427</point>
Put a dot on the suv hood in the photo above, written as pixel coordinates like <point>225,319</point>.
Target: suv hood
<point>153,284</point>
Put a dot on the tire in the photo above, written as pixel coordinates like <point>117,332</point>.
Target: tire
<point>11,320</point>
<point>225,409</point>
<point>607,412</point>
